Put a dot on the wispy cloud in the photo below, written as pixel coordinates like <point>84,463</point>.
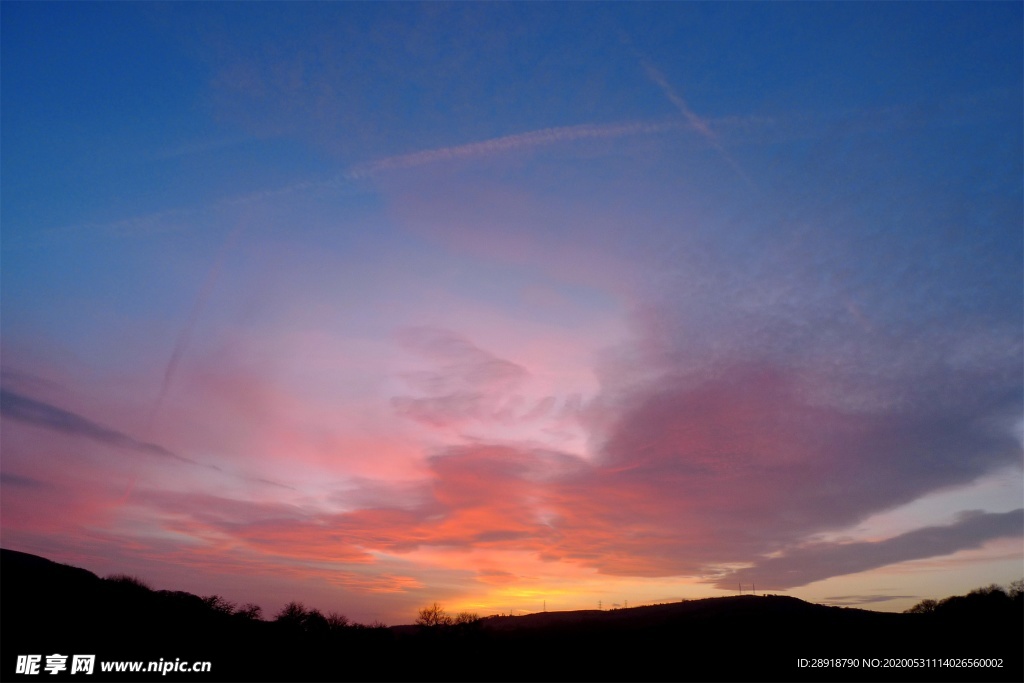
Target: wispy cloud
<point>466,383</point>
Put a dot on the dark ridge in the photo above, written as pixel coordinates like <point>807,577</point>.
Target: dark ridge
<point>21,564</point>
<point>50,608</point>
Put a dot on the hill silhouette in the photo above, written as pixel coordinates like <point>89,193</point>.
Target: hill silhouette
<point>52,608</point>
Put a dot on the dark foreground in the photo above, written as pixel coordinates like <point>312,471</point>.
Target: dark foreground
<point>49,609</point>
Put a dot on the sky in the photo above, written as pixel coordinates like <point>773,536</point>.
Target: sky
<point>513,306</point>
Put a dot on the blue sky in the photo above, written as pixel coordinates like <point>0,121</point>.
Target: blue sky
<point>380,304</point>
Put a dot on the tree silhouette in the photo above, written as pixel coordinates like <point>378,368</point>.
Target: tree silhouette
<point>217,603</point>
<point>292,616</point>
<point>991,599</point>
<point>129,582</point>
<point>249,611</point>
<point>336,621</point>
<point>433,616</point>
<point>315,623</point>
<point>923,607</point>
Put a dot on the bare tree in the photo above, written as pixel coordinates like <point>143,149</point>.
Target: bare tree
<point>337,621</point>
<point>433,616</point>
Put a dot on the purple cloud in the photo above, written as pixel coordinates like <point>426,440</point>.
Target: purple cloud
<point>817,561</point>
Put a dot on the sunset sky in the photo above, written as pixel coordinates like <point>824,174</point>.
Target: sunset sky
<point>506,305</point>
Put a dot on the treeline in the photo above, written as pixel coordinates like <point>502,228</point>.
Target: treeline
<point>294,616</point>
<point>991,599</point>
<point>130,593</point>
<point>50,608</point>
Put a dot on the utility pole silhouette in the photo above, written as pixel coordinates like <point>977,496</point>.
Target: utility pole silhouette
<point>599,607</point>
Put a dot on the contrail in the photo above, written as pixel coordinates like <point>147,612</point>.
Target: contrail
<point>695,122</point>
<point>536,138</point>
<point>186,333</point>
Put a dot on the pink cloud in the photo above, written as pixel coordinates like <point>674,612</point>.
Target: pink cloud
<point>687,473</point>
<point>466,384</point>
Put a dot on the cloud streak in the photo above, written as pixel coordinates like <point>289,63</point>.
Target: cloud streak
<point>814,562</point>
<point>53,418</point>
<point>18,481</point>
<point>59,420</point>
